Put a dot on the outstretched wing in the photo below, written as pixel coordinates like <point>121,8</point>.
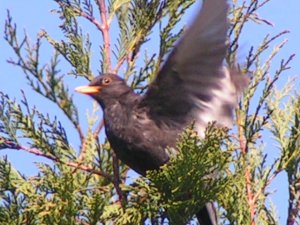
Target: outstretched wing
<point>193,84</point>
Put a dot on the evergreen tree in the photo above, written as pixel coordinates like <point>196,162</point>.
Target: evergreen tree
<point>88,185</point>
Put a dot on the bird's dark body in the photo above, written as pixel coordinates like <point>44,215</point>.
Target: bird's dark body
<point>136,139</point>
<point>193,85</point>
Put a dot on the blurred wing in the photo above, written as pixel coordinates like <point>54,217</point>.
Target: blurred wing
<point>193,84</point>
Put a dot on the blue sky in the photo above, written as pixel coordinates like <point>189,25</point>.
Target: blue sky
<point>34,15</point>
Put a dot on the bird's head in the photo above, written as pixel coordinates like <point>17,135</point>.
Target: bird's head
<point>106,89</point>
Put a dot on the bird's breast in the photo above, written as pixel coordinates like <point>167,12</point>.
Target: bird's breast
<point>138,141</point>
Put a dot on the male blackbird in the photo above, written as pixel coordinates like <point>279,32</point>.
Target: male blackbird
<point>192,85</point>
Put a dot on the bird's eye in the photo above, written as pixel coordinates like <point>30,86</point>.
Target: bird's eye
<point>106,81</point>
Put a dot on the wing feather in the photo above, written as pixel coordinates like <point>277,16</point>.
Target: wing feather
<point>194,84</point>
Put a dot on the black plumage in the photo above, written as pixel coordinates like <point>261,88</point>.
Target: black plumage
<point>192,85</point>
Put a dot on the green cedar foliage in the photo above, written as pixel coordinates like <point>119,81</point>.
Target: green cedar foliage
<point>88,185</point>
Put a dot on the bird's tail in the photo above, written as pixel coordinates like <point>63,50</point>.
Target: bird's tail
<point>207,215</point>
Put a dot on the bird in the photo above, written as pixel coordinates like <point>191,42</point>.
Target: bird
<point>193,85</point>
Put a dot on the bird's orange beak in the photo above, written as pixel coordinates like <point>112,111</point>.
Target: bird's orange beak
<point>88,89</point>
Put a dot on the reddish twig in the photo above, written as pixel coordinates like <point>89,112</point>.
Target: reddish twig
<point>79,130</point>
<point>250,195</point>
<point>98,129</point>
<point>119,64</point>
<point>105,32</point>
<point>269,181</point>
<point>92,19</point>
<point>37,152</point>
